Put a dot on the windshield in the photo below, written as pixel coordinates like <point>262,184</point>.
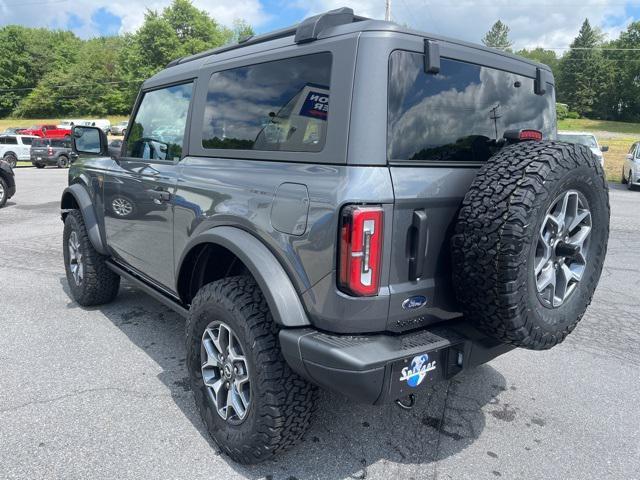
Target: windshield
<point>588,140</point>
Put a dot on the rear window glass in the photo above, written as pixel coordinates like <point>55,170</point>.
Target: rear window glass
<point>40,142</point>
<point>456,115</point>
<point>281,105</point>
<point>61,143</point>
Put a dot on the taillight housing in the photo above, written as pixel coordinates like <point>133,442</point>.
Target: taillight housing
<point>359,257</point>
<point>49,151</point>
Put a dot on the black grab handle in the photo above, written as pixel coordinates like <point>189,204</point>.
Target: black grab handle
<point>419,232</point>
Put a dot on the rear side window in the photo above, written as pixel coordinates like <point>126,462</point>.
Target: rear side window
<point>281,105</point>
<point>456,115</point>
<point>11,141</point>
<point>27,140</point>
<point>40,142</point>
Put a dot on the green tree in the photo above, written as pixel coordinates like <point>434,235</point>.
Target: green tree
<point>54,73</point>
<point>583,80</point>
<point>541,55</point>
<point>27,56</point>
<point>92,85</point>
<point>498,37</point>
<point>623,95</point>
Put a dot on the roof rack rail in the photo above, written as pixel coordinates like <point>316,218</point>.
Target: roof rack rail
<point>306,31</point>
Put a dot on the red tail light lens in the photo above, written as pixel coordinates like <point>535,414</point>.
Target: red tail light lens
<point>360,250</point>
<point>50,151</point>
<point>530,135</point>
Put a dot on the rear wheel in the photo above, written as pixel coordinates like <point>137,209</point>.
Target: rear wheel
<point>530,242</point>
<point>11,159</point>
<point>39,165</point>
<point>90,280</point>
<point>252,403</point>
<point>630,180</point>
<point>623,180</point>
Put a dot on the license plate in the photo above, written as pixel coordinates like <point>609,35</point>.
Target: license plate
<point>415,372</point>
<point>38,158</point>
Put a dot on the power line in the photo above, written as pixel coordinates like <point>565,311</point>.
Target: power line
<point>78,85</point>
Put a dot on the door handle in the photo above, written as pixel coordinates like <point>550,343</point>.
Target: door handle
<point>417,244</point>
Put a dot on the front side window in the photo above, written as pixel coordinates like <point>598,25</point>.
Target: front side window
<point>281,105</point>
<point>458,114</point>
<point>157,131</point>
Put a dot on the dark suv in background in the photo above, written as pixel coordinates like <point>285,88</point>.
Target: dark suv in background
<point>50,151</point>
<point>346,203</point>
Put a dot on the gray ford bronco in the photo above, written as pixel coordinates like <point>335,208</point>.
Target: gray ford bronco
<point>346,204</point>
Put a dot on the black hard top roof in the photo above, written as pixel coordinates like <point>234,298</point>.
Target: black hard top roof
<point>334,22</point>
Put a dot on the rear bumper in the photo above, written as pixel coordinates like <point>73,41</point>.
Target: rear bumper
<point>374,368</point>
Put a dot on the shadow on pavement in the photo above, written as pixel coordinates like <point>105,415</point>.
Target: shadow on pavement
<point>346,438</point>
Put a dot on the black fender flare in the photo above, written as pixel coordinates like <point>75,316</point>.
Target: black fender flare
<point>276,286</point>
<point>83,200</point>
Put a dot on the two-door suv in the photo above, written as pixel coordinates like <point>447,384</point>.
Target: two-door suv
<point>346,204</point>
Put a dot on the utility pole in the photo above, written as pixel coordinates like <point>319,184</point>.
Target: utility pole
<point>387,10</point>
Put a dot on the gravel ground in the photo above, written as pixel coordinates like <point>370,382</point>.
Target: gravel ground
<point>102,393</point>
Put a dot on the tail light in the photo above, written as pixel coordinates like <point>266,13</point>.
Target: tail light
<point>360,250</point>
<point>523,135</point>
<point>50,151</point>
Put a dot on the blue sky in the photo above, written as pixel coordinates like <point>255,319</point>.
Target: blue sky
<point>548,23</point>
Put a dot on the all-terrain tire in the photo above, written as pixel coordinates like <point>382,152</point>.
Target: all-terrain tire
<point>99,284</point>
<point>39,165</point>
<point>11,159</point>
<point>63,161</point>
<point>281,402</point>
<point>4,192</point>
<point>496,236</point>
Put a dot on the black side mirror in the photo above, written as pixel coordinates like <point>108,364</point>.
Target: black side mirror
<point>90,141</point>
<point>604,148</point>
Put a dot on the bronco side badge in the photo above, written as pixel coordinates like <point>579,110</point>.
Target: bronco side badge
<point>415,302</point>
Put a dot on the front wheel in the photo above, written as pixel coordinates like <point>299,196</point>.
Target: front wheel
<point>63,162</point>
<point>630,180</point>
<point>11,159</point>
<point>4,192</point>
<point>252,403</point>
<point>90,280</point>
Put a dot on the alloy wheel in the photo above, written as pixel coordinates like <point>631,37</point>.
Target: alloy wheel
<point>562,248</point>
<point>76,264</point>
<point>122,207</point>
<point>225,373</point>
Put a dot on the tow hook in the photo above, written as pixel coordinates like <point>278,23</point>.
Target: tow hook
<point>407,404</point>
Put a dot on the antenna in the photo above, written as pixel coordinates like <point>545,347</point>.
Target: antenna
<point>387,10</point>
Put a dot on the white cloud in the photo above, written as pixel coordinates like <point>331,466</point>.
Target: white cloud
<point>131,12</point>
<point>549,23</point>
<point>545,23</point>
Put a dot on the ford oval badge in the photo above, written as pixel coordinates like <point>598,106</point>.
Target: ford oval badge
<point>415,302</point>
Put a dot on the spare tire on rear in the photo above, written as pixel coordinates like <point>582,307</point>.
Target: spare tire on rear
<point>530,242</point>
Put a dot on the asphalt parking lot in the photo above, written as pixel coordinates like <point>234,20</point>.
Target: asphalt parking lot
<point>102,393</point>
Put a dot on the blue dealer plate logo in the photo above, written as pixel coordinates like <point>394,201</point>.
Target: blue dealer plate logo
<point>420,366</point>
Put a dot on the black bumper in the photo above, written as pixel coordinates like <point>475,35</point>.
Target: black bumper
<point>378,368</point>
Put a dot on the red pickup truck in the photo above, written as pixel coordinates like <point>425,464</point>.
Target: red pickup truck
<point>47,131</point>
